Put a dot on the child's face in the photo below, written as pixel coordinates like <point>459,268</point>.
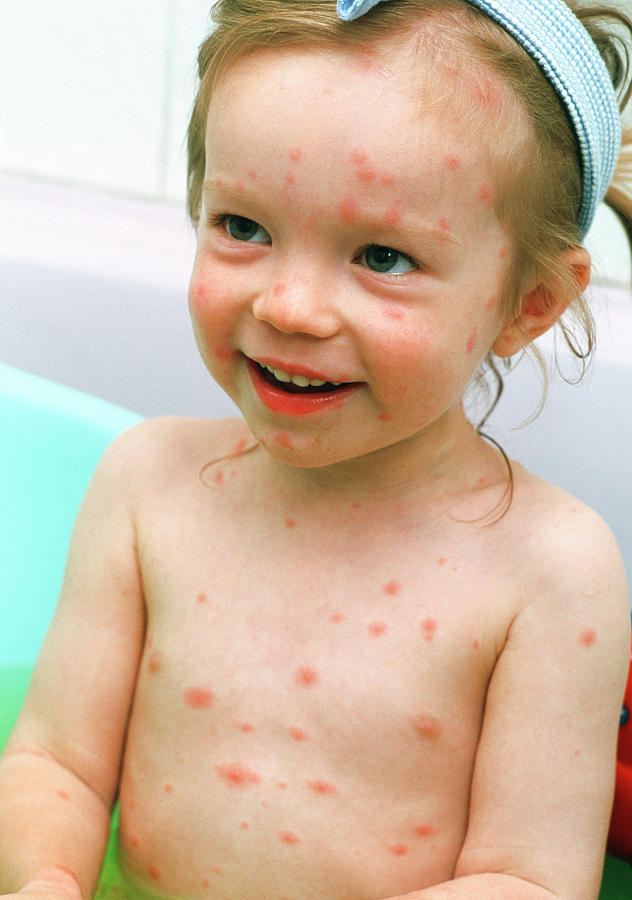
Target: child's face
<point>348,235</point>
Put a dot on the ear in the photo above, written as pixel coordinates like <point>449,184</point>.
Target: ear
<point>543,305</point>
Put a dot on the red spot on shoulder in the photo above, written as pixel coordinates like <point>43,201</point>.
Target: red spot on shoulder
<point>392,588</point>
<point>349,209</point>
<point>398,849</point>
<point>199,698</point>
<point>305,676</point>
<point>588,637</point>
<point>428,629</point>
<point>298,734</point>
<point>237,775</point>
<point>324,788</point>
<point>288,837</point>
<point>376,629</point>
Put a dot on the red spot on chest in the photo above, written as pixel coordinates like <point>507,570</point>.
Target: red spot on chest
<point>237,775</point>
<point>588,637</point>
<point>199,698</point>
<point>288,837</point>
<point>452,163</point>
<point>298,734</point>
<point>398,849</point>
<point>427,726</point>
<point>423,830</point>
<point>445,225</point>
<point>392,588</point>
<point>376,629</point>
<point>305,676</point>
<point>324,788</point>
<point>428,629</point>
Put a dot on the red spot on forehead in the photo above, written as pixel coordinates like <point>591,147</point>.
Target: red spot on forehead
<point>324,788</point>
<point>305,676</point>
<point>288,837</point>
<point>588,637</point>
<point>376,629</point>
<point>348,209</point>
<point>199,698</point>
<point>392,588</point>
<point>428,629</point>
<point>471,341</point>
<point>392,216</point>
<point>237,775</point>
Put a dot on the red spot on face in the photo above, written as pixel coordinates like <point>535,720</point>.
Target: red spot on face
<point>396,315</point>
<point>154,872</point>
<point>237,775</point>
<point>588,637</point>
<point>385,417</point>
<point>503,253</point>
<point>298,734</point>
<point>349,209</point>
<point>398,849</point>
<point>284,440</point>
<point>288,837</point>
<point>491,303</point>
<point>392,216</point>
<point>427,726</point>
<point>279,289</point>
<point>486,194</point>
<point>428,629</point>
<point>444,225</point>
<point>324,788</point>
<point>199,698</point>
<point>392,588</point>
<point>452,163</point>
<point>471,341</point>
<point>305,676</point>
<point>224,353</point>
<point>423,830</point>
<point>376,629</point>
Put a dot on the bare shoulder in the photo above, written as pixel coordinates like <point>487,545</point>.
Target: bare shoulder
<point>166,447</point>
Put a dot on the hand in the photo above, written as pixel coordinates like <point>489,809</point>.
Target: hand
<point>54,883</point>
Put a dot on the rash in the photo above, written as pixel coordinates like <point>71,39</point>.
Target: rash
<point>199,698</point>
<point>237,775</point>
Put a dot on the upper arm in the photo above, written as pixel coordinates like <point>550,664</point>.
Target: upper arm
<point>544,773</point>
<point>79,698</point>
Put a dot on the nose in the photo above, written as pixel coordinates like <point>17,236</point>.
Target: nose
<point>299,305</point>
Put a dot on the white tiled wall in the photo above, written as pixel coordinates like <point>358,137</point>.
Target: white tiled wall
<point>98,93</point>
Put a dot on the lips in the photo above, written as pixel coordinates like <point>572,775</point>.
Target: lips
<point>289,398</point>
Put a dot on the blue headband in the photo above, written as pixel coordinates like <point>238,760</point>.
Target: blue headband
<point>561,46</point>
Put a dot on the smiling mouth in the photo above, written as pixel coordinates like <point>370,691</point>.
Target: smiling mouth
<point>297,384</point>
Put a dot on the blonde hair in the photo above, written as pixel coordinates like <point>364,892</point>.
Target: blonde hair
<point>540,205</point>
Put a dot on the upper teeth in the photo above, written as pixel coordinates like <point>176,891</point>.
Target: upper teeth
<point>298,380</point>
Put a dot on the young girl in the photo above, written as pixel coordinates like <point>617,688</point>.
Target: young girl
<point>340,648</point>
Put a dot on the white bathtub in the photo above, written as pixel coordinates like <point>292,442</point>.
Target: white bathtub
<point>94,295</point>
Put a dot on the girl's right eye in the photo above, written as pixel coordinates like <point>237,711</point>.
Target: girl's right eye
<point>242,229</point>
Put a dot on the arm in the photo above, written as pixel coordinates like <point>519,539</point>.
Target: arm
<point>59,773</point>
<point>544,775</point>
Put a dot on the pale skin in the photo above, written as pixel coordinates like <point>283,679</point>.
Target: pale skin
<point>311,672</point>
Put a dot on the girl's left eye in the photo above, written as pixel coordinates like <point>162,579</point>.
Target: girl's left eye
<point>386,261</point>
<point>242,229</point>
